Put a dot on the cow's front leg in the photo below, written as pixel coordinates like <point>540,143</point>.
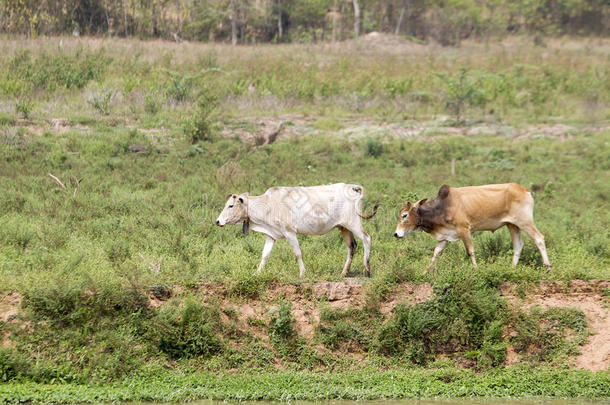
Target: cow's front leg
<point>467,239</point>
<point>296,249</point>
<point>437,252</point>
<point>266,252</point>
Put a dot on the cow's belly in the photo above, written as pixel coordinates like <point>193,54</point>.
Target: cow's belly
<point>488,225</point>
<point>315,228</point>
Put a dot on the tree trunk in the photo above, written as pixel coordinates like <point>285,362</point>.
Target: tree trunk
<point>356,18</point>
<point>233,22</point>
<point>280,29</point>
<point>400,18</point>
<point>334,17</point>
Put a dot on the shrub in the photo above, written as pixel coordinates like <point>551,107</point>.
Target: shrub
<point>50,72</point>
<point>458,318</point>
<point>373,147</point>
<point>460,91</point>
<point>186,332</point>
<point>199,126</point>
<point>24,107</point>
<point>101,101</point>
<point>281,325</point>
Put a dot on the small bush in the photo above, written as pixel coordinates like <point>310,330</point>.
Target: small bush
<point>199,126</point>
<point>24,107</point>
<point>458,318</point>
<point>186,332</point>
<point>460,92</point>
<point>373,147</point>
<point>10,365</point>
<point>101,101</point>
<point>281,325</point>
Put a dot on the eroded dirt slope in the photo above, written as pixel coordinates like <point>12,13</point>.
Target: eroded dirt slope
<point>307,299</point>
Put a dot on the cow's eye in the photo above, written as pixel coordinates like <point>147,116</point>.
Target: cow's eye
<point>230,206</point>
<point>404,215</point>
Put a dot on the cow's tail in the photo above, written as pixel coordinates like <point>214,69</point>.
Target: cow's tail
<point>362,191</point>
<point>372,214</point>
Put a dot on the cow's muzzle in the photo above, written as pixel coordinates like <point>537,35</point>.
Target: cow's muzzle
<point>218,223</point>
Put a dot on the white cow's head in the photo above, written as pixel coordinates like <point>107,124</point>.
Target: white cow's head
<point>235,211</point>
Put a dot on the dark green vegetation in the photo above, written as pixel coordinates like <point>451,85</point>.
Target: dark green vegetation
<point>366,384</point>
<point>242,21</point>
<point>114,164</point>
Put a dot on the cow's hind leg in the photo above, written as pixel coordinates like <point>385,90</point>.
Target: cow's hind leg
<point>348,237</point>
<point>515,236</point>
<point>296,249</point>
<point>266,252</point>
<point>366,242</point>
<point>538,238</point>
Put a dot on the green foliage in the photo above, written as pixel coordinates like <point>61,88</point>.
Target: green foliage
<point>101,101</point>
<point>199,126</point>
<point>190,331</point>
<point>159,385</point>
<point>10,365</point>
<point>24,107</point>
<point>461,91</point>
<point>551,334</point>
<point>6,120</point>
<point>70,71</point>
<point>341,329</point>
<point>373,147</point>
<point>281,325</point>
<point>463,315</point>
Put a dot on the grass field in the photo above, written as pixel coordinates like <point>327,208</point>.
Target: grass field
<point>144,140</point>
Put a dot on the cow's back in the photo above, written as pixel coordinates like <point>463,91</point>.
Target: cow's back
<point>488,203</point>
<point>313,210</point>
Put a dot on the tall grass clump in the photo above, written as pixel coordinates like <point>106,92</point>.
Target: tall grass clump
<point>463,316</point>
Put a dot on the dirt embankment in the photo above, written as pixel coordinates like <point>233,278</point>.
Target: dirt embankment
<point>592,298</point>
<point>307,300</point>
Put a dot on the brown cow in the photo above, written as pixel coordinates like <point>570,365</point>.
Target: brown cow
<point>456,212</point>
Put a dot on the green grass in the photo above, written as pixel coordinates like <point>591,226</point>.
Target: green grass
<point>145,167</point>
<point>367,384</point>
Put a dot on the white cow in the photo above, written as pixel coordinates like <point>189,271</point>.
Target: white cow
<point>284,212</point>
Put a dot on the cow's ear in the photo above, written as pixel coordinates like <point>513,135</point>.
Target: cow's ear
<point>230,195</point>
<point>242,197</point>
<point>420,202</point>
<point>408,205</point>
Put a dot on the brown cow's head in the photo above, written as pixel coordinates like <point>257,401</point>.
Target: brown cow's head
<point>407,222</point>
<point>235,211</point>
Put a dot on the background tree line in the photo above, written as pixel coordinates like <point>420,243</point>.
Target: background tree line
<point>252,21</point>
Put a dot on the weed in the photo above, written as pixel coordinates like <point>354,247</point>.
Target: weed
<point>199,126</point>
<point>461,90</point>
<point>188,331</point>
<point>281,325</point>
<point>101,101</point>
<point>24,107</point>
